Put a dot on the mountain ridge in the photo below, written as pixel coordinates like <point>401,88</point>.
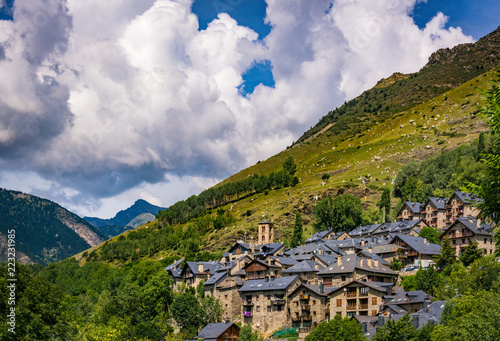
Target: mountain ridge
<point>45,231</point>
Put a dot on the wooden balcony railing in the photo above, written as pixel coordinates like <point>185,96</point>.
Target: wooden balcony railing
<point>278,301</point>
<point>306,318</point>
<point>305,307</point>
<point>247,314</point>
<point>247,303</point>
<point>363,306</point>
<point>351,294</point>
<point>351,307</point>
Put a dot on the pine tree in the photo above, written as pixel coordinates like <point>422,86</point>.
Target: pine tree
<point>447,256</point>
<point>297,231</point>
<point>471,253</point>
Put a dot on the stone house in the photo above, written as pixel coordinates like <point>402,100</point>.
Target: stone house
<point>461,204</point>
<point>308,305</point>
<point>327,235</point>
<point>226,291</point>
<point>352,267</point>
<point>434,212</point>
<point>174,271</point>
<point>264,303</point>
<point>387,251</point>
<point>415,250</point>
<point>194,272</point>
<point>403,302</point>
<point>410,211</point>
<point>464,231</point>
<point>219,332</point>
<point>306,270</point>
<point>358,298</point>
<point>260,269</point>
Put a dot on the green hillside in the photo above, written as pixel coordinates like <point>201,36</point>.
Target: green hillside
<point>361,146</point>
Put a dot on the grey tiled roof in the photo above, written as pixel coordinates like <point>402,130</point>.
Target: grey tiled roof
<point>415,207</point>
<point>280,283</point>
<point>467,197</point>
<point>216,278</point>
<point>471,224</point>
<point>398,227</point>
<point>289,261</point>
<point>364,230</point>
<point>265,221</point>
<point>381,249</point>
<point>418,244</point>
<point>350,262</point>
<point>318,236</point>
<point>213,266</point>
<point>174,269</point>
<point>304,266</point>
<point>374,256</point>
<point>439,203</point>
<point>213,330</point>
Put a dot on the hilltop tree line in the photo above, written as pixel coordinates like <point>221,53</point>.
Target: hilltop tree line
<point>198,205</point>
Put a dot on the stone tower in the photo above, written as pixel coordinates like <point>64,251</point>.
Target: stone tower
<point>266,232</point>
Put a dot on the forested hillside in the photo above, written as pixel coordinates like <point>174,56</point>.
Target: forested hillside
<point>45,231</point>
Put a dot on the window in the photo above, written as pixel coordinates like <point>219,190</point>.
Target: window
<point>314,302</point>
<point>374,313</point>
<point>327,281</point>
<point>343,278</point>
<point>351,314</point>
<point>363,290</point>
<point>314,313</point>
<point>280,307</point>
<point>268,308</point>
<point>258,308</point>
<point>257,297</point>
<point>374,301</point>
<point>296,304</point>
<point>339,303</point>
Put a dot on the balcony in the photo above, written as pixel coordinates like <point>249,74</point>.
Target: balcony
<point>305,307</point>
<point>304,296</point>
<point>296,319</point>
<point>363,306</point>
<point>247,314</point>
<point>278,301</point>
<point>351,307</point>
<point>351,294</point>
<point>247,303</point>
<point>305,330</point>
<point>306,318</point>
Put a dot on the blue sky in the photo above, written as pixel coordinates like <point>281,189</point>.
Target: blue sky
<point>476,18</point>
<point>103,103</point>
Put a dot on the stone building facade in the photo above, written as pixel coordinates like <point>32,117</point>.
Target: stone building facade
<point>464,231</point>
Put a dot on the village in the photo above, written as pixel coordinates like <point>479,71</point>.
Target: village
<point>273,287</point>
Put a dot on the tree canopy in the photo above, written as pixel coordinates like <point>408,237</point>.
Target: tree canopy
<point>338,329</point>
<point>342,213</point>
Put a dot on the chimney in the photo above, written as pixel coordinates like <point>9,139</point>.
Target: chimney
<point>416,321</point>
<point>375,263</point>
<point>369,262</point>
<point>316,266</point>
<point>200,267</point>
<point>380,321</point>
<point>425,240</point>
<point>266,279</point>
<point>478,222</point>
<point>364,326</point>
<point>361,263</point>
<point>339,260</point>
<point>228,320</point>
<point>426,305</point>
<point>321,288</point>
<point>362,243</point>
<point>370,249</point>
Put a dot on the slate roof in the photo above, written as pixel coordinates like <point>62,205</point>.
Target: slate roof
<point>230,282</point>
<point>418,244</point>
<point>467,197</point>
<point>270,249</point>
<point>266,221</point>
<point>351,262</point>
<point>281,283</point>
<point>304,266</point>
<point>417,296</point>
<point>318,236</point>
<point>414,207</point>
<point>364,230</point>
<point>213,331</point>
<point>288,261</point>
<point>374,256</point>
<point>404,227</point>
<point>216,278</point>
<point>471,224</point>
<point>379,286</point>
<point>316,289</point>
<point>213,266</point>
<point>381,249</point>
<point>439,203</point>
<point>327,259</point>
<point>174,269</point>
